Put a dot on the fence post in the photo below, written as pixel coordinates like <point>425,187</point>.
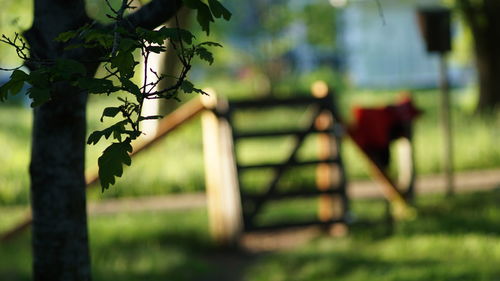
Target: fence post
<point>406,167</point>
<point>223,196</point>
<point>329,205</point>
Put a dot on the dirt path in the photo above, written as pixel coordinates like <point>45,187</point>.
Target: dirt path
<point>465,182</point>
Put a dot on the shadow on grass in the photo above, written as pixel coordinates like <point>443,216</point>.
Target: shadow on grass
<point>349,265</point>
<point>168,256</point>
<point>163,246</point>
<point>15,259</point>
<point>452,239</point>
<point>477,212</point>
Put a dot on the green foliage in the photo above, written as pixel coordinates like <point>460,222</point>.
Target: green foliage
<point>39,96</point>
<point>68,70</point>
<point>218,10</point>
<point>206,13</point>
<point>164,33</point>
<point>320,20</point>
<point>14,85</point>
<point>111,160</point>
<point>120,63</point>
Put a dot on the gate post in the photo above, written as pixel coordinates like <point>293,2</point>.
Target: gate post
<point>223,196</point>
<point>330,206</point>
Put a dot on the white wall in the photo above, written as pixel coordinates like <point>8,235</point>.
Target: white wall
<point>387,51</point>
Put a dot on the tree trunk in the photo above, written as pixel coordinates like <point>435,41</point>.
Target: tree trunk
<point>487,43</point>
<point>60,240</point>
<point>488,68</point>
<point>60,235</point>
<point>484,22</point>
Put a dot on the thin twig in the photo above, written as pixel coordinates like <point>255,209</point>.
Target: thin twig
<point>381,11</point>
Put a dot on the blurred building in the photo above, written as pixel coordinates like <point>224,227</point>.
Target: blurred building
<point>383,48</point>
<point>377,43</point>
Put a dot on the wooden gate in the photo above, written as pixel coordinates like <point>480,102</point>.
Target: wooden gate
<point>330,187</point>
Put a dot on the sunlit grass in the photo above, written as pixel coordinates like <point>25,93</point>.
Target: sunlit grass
<point>15,128</point>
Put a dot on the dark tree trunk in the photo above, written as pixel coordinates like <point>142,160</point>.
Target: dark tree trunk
<point>60,240</point>
<point>60,235</point>
<point>484,21</point>
<point>487,46</point>
<point>488,68</point>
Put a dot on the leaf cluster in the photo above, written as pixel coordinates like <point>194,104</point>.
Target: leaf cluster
<point>120,64</point>
<point>206,12</point>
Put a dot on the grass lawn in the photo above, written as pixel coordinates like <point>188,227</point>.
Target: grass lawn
<point>452,239</point>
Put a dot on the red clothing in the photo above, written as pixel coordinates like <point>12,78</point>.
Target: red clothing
<point>375,128</point>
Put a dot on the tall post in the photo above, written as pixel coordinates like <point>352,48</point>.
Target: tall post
<point>446,125</point>
<point>223,195</point>
<point>327,174</point>
<point>435,28</point>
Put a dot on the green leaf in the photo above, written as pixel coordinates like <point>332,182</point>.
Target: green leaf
<point>73,46</point>
<point>152,36</point>
<point>187,87</point>
<point>97,85</point>
<point>130,87</point>
<point>4,91</point>
<point>14,85</point>
<point>19,75</point>
<point>39,78</point>
<point>203,16</point>
<point>68,68</point>
<point>115,129</point>
<point>94,137</point>
<point>66,36</point>
<point>200,91</point>
<point>159,36</point>
<point>205,54</point>
<point>99,38</point>
<point>111,162</point>
<point>128,45</point>
<point>218,10</point>
<point>176,34</point>
<point>117,136</point>
<point>124,62</point>
<point>119,127</point>
<point>39,95</point>
<point>133,134</point>
<point>156,49</point>
<point>110,112</point>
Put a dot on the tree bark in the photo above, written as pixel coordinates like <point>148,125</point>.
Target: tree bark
<point>58,202</point>
<point>60,235</point>
<point>484,23</point>
<point>60,240</point>
<point>488,68</point>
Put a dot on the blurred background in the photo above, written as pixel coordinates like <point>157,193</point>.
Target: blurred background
<point>368,52</point>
